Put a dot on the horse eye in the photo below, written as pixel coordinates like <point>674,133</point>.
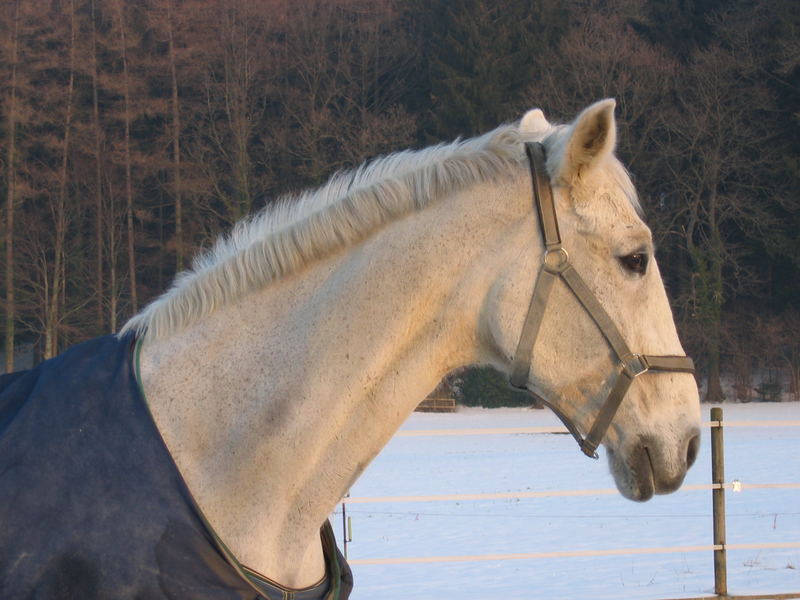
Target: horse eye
<point>635,263</point>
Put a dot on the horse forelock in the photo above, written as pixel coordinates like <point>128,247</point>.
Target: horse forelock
<point>301,228</point>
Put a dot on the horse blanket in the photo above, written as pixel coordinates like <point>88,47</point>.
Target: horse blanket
<point>92,505</point>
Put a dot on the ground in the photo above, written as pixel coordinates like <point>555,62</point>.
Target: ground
<point>599,521</point>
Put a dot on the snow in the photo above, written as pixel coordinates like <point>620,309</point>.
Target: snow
<point>427,465</point>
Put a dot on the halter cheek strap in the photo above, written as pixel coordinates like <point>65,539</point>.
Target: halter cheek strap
<point>556,265</point>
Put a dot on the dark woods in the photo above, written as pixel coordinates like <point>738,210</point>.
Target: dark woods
<point>133,132</point>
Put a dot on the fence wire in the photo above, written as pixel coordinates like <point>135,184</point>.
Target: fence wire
<point>736,486</point>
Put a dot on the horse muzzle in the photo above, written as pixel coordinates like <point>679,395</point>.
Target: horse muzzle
<point>652,464</point>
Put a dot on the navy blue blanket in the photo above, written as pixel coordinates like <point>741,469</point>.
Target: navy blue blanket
<point>92,505</point>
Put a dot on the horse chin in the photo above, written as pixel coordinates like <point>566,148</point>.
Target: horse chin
<point>633,474</point>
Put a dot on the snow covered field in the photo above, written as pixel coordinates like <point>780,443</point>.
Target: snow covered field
<point>411,466</point>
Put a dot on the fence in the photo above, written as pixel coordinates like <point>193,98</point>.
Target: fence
<point>437,404</point>
<point>719,547</point>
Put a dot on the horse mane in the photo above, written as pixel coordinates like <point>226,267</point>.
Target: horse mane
<point>298,229</point>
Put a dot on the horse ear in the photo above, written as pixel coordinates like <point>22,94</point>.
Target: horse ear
<point>591,137</point>
<point>534,121</point>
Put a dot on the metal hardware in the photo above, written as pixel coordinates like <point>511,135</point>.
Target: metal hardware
<point>589,449</point>
<point>634,365</point>
<point>555,260</point>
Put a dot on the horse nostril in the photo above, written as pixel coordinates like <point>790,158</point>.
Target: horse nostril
<point>692,450</point>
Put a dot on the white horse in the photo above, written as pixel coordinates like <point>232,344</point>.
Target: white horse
<point>280,365</point>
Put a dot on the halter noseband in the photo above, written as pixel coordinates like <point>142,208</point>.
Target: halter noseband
<point>556,264</point>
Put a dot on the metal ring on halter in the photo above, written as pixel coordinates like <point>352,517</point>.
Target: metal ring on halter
<point>555,260</point>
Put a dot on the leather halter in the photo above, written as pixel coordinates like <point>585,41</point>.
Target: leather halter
<point>556,265</point>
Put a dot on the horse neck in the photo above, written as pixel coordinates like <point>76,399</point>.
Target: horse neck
<point>273,405</point>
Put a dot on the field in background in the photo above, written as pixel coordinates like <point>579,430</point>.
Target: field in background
<point>541,462</point>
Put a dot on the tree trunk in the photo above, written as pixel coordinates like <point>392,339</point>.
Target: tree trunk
<point>98,176</point>
<point>239,72</point>
<point>11,111</point>
<point>113,292</point>
<point>53,316</point>
<point>128,183</point>
<point>715,300</point>
<point>714,392</point>
<point>176,145</point>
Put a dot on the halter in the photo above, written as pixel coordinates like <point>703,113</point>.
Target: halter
<point>556,265</point>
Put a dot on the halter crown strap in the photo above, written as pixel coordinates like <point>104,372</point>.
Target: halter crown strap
<point>556,265</point>
<point>543,196</point>
<point>548,223</point>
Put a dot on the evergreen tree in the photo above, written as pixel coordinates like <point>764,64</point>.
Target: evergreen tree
<point>478,58</point>
<point>682,26</point>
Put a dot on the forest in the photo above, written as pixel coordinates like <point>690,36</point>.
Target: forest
<point>133,132</point>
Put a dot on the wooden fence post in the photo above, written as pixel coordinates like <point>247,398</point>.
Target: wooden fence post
<point>718,500</point>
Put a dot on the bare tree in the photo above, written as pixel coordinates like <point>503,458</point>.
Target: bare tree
<point>114,222</point>
<point>176,137</point>
<point>234,87</point>
<point>602,56</point>
<point>97,130</point>
<point>11,160</point>
<point>345,79</point>
<point>708,141</point>
<point>58,278</point>
<point>790,351</point>
<point>127,115</point>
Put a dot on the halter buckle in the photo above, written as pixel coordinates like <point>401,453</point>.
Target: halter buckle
<point>634,365</point>
<point>555,260</point>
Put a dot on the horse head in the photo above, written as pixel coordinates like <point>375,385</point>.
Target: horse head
<point>604,320</point>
